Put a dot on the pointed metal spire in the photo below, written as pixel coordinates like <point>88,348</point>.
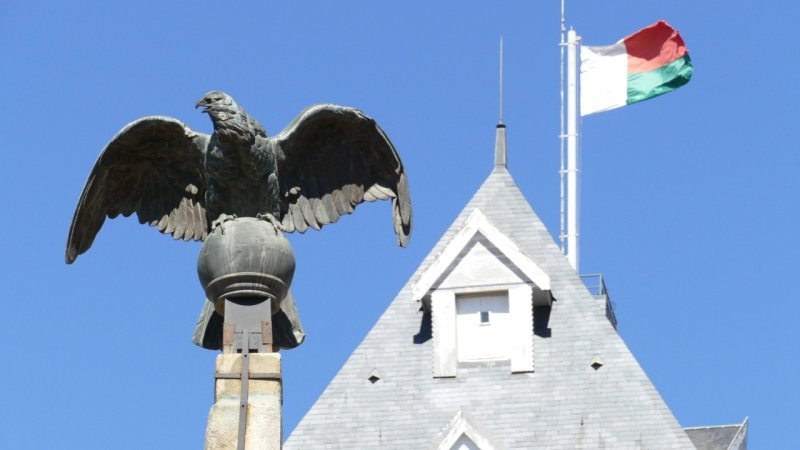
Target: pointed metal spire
<point>500,158</point>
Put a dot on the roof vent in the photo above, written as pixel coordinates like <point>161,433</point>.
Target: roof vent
<point>596,363</point>
<point>374,376</point>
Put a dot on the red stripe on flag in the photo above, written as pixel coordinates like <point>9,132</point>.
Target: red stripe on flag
<point>653,47</point>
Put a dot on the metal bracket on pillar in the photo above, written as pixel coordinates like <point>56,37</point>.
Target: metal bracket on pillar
<point>253,315</point>
<point>245,391</point>
<point>247,327</point>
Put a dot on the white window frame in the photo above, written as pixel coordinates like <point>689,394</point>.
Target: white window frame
<point>445,345</point>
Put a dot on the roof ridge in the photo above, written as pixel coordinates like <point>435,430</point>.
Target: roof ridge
<point>737,425</point>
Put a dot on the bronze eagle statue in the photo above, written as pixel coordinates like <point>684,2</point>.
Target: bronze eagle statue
<point>327,161</point>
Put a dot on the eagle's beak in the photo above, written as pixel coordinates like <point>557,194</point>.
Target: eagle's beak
<point>204,103</point>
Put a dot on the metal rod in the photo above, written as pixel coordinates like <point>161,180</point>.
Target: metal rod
<point>245,388</point>
<point>500,156</point>
<point>501,79</point>
<point>573,251</point>
<point>561,135</point>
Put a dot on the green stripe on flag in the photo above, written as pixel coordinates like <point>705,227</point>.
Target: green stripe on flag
<point>667,78</point>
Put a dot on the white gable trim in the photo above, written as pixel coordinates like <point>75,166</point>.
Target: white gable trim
<point>476,223</point>
<point>463,424</point>
<point>521,309</point>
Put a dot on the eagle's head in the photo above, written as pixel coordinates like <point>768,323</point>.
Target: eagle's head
<point>228,116</point>
<point>218,105</point>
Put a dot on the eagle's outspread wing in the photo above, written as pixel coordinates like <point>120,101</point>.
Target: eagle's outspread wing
<point>333,158</point>
<point>153,167</point>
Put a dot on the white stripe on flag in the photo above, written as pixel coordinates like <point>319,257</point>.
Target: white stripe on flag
<point>604,78</point>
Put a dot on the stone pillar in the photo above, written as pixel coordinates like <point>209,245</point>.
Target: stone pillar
<point>246,266</point>
<point>262,428</point>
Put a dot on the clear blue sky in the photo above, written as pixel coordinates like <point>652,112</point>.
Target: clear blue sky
<point>689,200</point>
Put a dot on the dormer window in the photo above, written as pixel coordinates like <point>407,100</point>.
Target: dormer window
<point>481,291</point>
<point>464,443</point>
<point>464,433</point>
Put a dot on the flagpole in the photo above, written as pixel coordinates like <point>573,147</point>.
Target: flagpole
<point>573,250</point>
<point>561,135</point>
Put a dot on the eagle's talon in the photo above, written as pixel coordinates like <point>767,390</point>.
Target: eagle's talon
<point>271,219</point>
<point>221,220</point>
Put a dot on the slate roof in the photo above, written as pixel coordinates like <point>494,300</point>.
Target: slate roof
<point>564,404</point>
<point>721,437</point>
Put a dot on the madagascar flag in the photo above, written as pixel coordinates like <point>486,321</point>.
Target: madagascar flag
<point>646,64</point>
